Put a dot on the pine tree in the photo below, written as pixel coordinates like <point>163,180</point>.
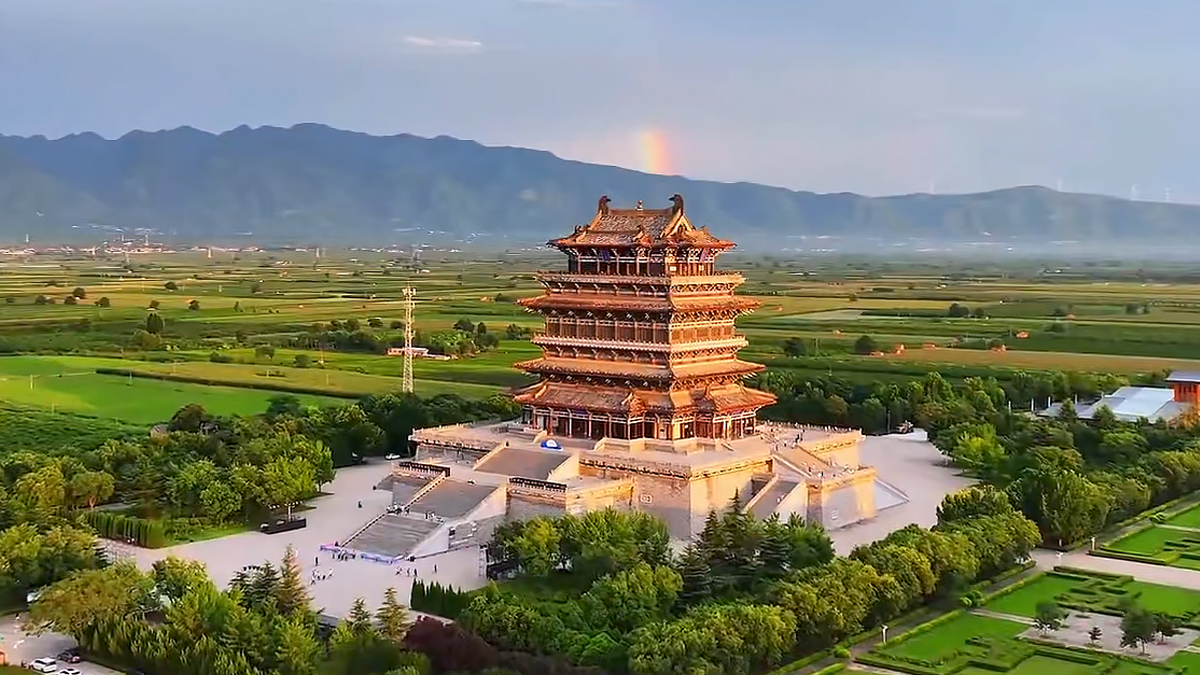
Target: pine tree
<point>359,619</point>
<point>291,595</point>
<point>697,577</point>
<point>264,588</point>
<point>775,550</point>
<point>391,617</point>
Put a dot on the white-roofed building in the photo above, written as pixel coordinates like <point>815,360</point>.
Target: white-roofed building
<point>1130,404</point>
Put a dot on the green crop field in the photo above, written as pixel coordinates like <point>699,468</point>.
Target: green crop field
<point>1096,317</point>
<point>70,384</point>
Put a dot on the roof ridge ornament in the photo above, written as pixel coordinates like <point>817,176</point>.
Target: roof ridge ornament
<point>640,206</point>
<point>677,201</point>
<point>602,207</point>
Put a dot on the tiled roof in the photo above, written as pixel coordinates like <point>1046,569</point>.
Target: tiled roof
<point>640,227</point>
<point>618,302</point>
<point>606,399</point>
<point>554,395</point>
<point>637,370</point>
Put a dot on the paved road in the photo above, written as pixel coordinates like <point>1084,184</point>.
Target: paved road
<point>1159,574</point>
<point>21,647</point>
<point>333,518</point>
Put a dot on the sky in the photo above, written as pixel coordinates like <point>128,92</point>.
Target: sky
<point>868,96</point>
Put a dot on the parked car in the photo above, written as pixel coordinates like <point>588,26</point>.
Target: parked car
<point>70,656</point>
<point>70,671</point>
<point>44,665</point>
<point>392,457</point>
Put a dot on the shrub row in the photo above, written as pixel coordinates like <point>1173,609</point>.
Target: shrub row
<point>802,662</point>
<point>438,600</point>
<point>262,386</point>
<point>141,531</point>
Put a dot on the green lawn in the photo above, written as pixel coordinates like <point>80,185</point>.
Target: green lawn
<point>1023,601</point>
<point>936,644</point>
<point>1045,665</point>
<point>1097,594</point>
<point>69,384</point>
<point>1188,518</point>
<point>1177,548</point>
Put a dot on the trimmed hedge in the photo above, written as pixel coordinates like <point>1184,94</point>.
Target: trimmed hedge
<point>800,663</point>
<point>141,531</point>
<point>439,600</point>
<point>261,386</point>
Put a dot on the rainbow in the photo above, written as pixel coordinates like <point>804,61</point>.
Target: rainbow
<point>654,151</point>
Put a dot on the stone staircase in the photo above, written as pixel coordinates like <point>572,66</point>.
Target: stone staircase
<point>393,535</point>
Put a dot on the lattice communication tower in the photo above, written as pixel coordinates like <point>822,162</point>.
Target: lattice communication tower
<point>406,384</point>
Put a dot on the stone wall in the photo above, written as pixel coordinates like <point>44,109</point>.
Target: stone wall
<point>841,503</point>
<point>713,493</point>
<point>525,507</point>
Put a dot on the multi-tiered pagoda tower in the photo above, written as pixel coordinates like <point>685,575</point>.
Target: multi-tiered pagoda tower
<point>639,338</point>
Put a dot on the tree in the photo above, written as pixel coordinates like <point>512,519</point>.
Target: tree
<point>1138,627</point>
<point>352,325</point>
<point>298,651</point>
<point>219,501</point>
<point>43,300</point>
<point>292,596</point>
<point>391,618</point>
<point>633,597</point>
<point>450,648</point>
<point>973,502</point>
<point>70,300</point>
<point>302,360</point>
<point>153,304</point>
<point>957,311</point>
<point>265,351</point>
<point>1094,634</point>
<point>865,345</point>
<point>171,286</point>
<point>104,301</point>
<point>41,495</point>
<point>375,322</point>
<point>88,488</point>
<point>194,305</point>
<point>154,323</point>
<point>85,598</point>
<point>80,292</point>
<point>794,347</point>
<point>1166,626</point>
<point>481,328</point>
<point>464,325</point>
<point>1065,505</point>
<point>1048,616</point>
<point>177,577</point>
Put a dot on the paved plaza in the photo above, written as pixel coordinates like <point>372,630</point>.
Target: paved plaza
<point>1077,625</point>
<point>333,518</point>
<point>909,463</point>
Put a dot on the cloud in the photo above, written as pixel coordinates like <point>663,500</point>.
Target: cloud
<point>443,43</point>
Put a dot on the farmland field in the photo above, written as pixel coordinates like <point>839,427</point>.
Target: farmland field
<point>219,311</point>
<point>70,384</point>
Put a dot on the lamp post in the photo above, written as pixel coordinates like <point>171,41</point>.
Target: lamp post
<point>884,628</point>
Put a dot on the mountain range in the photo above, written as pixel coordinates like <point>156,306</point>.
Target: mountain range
<point>312,184</point>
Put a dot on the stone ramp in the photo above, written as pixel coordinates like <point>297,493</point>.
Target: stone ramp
<point>404,488</point>
<point>393,535</point>
<point>766,504</point>
<point>534,464</point>
<point>452,499</point>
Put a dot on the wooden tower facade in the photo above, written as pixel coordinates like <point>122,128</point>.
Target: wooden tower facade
<point>639,338</point>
